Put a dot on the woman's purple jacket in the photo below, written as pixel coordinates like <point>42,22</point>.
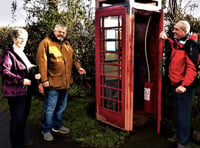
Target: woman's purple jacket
<point>13,71</point>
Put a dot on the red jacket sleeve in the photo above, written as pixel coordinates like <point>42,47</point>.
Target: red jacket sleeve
<point>190,72</point>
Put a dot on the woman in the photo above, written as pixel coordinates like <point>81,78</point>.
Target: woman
<point>14,68</point>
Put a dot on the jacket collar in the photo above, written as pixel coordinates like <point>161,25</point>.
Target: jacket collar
<point>11,50</point>
<point>53,38</point>
<point>184,39</point>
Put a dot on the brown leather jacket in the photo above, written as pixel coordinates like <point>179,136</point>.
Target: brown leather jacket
<point>55,61</point>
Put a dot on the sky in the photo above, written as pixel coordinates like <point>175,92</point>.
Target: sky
<point>6,14</point>
<point>195,13</point>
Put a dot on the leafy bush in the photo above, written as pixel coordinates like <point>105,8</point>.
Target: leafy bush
<point>5,37</point>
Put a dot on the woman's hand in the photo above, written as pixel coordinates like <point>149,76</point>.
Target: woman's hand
<point>26,82</point>
<point>37,76</point>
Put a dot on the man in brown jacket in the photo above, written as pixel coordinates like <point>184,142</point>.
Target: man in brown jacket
<point>55,58</point>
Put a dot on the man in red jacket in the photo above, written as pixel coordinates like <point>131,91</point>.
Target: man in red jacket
<point>182,73</point>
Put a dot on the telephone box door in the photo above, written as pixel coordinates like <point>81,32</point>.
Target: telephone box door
<point>111,70</point>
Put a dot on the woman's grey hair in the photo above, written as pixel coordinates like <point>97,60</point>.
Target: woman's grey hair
<point>185,26</point>
<point>16,32</point>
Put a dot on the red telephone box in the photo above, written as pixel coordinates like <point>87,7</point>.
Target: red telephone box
<point>128,60</point>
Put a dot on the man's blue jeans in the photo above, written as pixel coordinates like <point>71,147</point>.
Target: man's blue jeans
<point>182,109</point>
<point>54,104</point>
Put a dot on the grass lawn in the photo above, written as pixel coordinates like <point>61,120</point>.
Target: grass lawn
<point>80,118</point>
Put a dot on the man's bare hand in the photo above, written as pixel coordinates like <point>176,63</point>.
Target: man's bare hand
<point>163,35</point>
<point>45,84</point>
<point>81,71</point>
<point>180,89</point>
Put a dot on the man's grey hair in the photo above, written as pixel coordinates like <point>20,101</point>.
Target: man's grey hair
<point>185,26</point>
<point>60,25</point>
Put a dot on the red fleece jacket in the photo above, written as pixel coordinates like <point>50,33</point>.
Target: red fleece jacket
<point>181,68</point>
